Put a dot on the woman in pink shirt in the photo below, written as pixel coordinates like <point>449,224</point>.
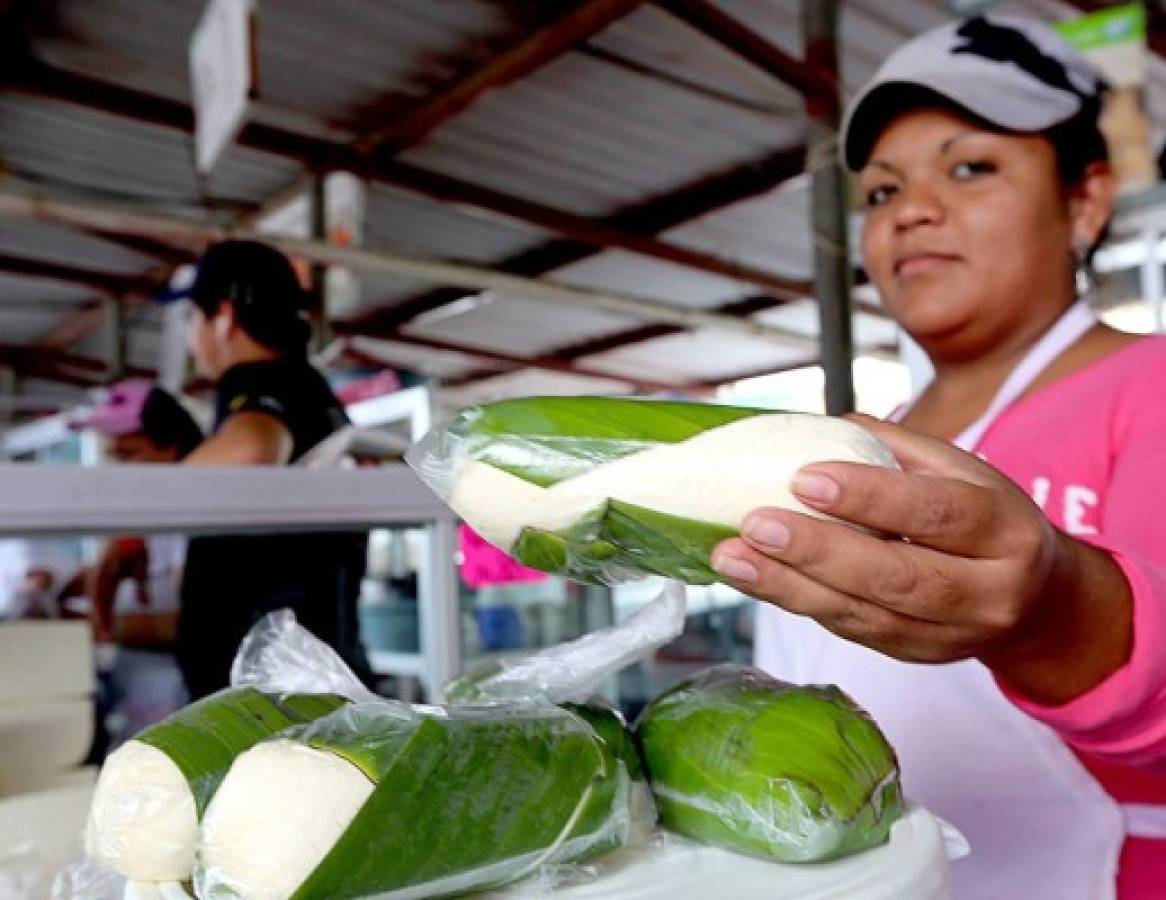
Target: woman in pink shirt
<point>995,611</point>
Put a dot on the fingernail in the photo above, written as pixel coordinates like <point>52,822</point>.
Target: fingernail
<point>766,531</point>
<point>734,569</point>
<point>816,488</point>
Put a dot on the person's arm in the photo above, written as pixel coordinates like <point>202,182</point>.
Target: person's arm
<point>1124,717</point>
<point>120,559</point>
<point>1073,630</point>
<point>982,573</point>
<point>245,439</point>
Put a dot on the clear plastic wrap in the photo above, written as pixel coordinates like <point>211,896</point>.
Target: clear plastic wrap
<point>279,656</point>
<point>457,800</point>
<point>154,789</point>
<point>575,670</point>
<point>570,674</point>
<point>605,490</point>
<point>84,878</point>
<point>502,790</point>
<point>783,772</point>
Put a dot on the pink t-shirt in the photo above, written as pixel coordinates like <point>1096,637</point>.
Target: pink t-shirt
<point>1091,451</point>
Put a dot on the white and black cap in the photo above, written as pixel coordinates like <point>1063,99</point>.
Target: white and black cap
<point>1016,74</point>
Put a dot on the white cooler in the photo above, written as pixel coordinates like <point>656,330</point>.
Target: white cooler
<point>913,865</point>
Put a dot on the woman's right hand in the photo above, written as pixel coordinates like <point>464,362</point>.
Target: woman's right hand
<point>982,573</point>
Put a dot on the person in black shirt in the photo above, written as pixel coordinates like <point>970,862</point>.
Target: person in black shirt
<point>247,333</point>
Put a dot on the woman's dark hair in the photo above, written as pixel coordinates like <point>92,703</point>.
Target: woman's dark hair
<point>1078,144</point>
<point>261,284</point>
<point>166,423</point>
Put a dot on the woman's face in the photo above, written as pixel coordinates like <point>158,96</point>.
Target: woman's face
<point>968,232</point>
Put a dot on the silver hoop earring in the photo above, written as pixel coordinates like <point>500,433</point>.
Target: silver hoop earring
<point>1082,274</point>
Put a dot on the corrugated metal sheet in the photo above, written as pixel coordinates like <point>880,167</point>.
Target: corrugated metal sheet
<point>520,326</point>
<point>22,324</point>
<point>143,347</point>
<point>382,57</point>
<point>693,356</point>
<point>426,361</point>
<point>525,382</point>
<point>407,222</point>
<point>372,55</point>
<point>142,344</point>
<point>19,289</point>
<point>802,316</point>
<point>595,137</point>
<point>647,106</point>
<point>770,232</point>
<point>651,40</point>
<point>43,241</point>
<point>70,146</point>
<point>123,41</point>
<point>379,290</point>
<point>655,280</point>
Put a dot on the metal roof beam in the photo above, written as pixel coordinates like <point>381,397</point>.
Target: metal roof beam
<point>46,208</point>
<point>598,233</point>
<point>619,339</point>
<point>532,52</point>
<point>655,215</point>
<point>108,282</point>
<point>74,327</point>
<point>59,365</point>
<point>737,37</point>
<point>692,387</point>
<point>745,307</point>
<point>810,360</point>
<point>513,363</point>
<point>591,346</point>
<point>147,246</point>
<point>39,78</point>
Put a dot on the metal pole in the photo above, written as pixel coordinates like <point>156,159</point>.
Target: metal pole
<point>113,338</point>
<point>173,358</point>
<point>8,398</point>
<point>321,327</point>
<point>437,600</point>
<point>1152,286</point>
<point>830,205</point>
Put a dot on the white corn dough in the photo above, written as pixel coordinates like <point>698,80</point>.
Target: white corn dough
<point>143,823</point>
<point>718,476</point>
<point>277,814</point>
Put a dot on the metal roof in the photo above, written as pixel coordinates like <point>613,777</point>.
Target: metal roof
<point>637,111</point>
<point>595,137</point>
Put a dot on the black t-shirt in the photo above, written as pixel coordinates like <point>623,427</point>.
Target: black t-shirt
<point>231,581</point>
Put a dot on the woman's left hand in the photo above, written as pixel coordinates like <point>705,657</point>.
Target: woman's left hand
<point>969,580</point>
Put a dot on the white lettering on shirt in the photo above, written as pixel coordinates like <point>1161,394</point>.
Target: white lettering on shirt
<point>1079,501</point>
<point>1040,492</point>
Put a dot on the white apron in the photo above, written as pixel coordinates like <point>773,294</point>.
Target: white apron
<point>1039,825</point>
